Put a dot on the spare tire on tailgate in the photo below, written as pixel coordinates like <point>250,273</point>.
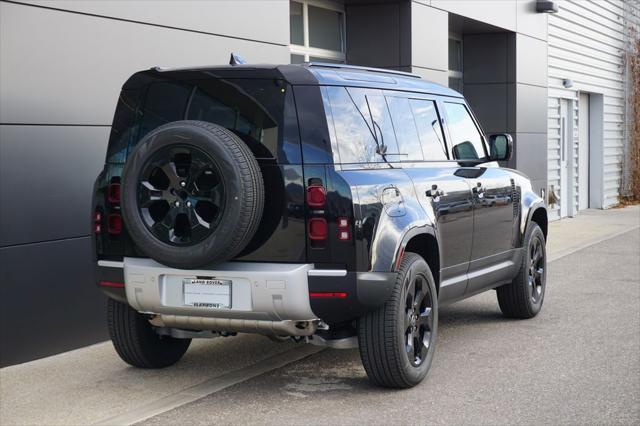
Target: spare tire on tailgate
<point>192,194</point>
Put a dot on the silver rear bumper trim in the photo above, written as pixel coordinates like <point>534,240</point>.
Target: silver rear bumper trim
<point>327,273</point>
<point>110,264</point>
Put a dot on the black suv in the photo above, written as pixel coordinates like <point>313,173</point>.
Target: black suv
<point>323,203</point>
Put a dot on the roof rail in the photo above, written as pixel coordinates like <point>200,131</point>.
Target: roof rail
<point>357,68</point>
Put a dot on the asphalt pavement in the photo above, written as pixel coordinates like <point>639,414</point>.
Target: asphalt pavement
<point>577,363</point>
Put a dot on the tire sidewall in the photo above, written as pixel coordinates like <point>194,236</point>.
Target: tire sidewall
<point>415,375</point>
<point>173,134</point>
<point>534,232</point>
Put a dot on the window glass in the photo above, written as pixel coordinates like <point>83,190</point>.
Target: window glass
<point>353,126</point>
<point>466,141</point>
<point>296,23</point>
<point>124,126</point>
<point>326,60</point>
<point>405,129</point>
<point>297,59</point>
<point>429,129</point>
<point>261,112</point>
<point>325,29</point>
<point>165,102</point>
<point>455,55</point>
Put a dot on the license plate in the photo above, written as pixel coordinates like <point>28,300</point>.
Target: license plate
<point>207,293</point>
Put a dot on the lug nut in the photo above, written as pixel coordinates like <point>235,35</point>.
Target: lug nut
<point>183,184</point>
<point>188,203</point>
<point>177,204</point>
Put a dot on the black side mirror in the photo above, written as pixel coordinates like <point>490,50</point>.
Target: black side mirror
<point>501,147</point>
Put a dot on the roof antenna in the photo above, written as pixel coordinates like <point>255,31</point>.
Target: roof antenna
<point>236,59</point>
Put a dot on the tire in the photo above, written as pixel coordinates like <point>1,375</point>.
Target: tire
<point>523,297</point>
<point>192,194</point>
<point>137,343</point>
<point>383,334</point>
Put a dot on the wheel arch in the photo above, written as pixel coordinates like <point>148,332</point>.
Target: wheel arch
<point>539,216</point>
<point>426,246</point>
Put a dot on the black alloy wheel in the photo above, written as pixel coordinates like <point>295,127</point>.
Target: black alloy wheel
<point>536,270</point>
<point>181,194</point>
<point>523,297</point>
<point>418,320</point>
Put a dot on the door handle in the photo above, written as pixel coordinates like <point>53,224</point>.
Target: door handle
<point>434,192</point>
<point>479,189</point>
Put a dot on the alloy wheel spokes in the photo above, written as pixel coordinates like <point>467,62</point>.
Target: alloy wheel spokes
<point>181,195</point>
<point>418,321</point>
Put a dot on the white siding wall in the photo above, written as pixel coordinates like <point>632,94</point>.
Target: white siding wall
<point>586,41</point>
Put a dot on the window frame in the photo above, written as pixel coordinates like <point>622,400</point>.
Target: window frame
<point>307,51</point>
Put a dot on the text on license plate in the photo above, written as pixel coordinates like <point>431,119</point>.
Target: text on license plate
<point>207,293</point>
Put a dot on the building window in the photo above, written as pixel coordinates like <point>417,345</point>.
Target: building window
<point>455,63</point>
<point>317,31</point>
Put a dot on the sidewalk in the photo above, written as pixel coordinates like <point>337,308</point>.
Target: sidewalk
<point>92,385</point>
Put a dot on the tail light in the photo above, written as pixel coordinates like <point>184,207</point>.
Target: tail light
<point>344,232</point>
<point>316,196</point>
<point>114,224</point>
<point>318,229</point>
<point>97,222</point>
<point>328,295</point>
<point>113,193</point>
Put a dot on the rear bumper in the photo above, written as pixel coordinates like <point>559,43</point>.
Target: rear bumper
<point>260,291</point>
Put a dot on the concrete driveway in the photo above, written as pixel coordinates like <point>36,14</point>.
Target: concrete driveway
<point>577,362</point>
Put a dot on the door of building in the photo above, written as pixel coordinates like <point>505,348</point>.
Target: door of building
<point>583,152</point>
<point>565,132</point>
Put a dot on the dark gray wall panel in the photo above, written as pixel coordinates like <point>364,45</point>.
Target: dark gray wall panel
<point>48,300</point>
<point>487,58</point>
<point>373,35</point>
<point>46,179</point>
<point>490,105</point>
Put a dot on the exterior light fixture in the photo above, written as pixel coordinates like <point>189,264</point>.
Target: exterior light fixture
<point>567,83</point>
<point>546,6</point>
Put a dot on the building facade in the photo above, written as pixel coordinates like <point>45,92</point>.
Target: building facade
<point>539,76</point>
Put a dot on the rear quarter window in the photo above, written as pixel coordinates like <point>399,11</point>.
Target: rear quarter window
<point>261,112</point>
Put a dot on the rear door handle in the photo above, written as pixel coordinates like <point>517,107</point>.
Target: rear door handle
<point>434,192</point>
<point>479,189</point>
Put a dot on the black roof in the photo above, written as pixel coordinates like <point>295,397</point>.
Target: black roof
<point>304,74</point>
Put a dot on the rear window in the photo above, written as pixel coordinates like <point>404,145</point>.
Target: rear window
<point>261,112</point>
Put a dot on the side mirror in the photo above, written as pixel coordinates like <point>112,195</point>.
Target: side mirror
<point>501,147</point>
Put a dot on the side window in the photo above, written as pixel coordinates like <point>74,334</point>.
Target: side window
<point>427,121</point>
<point>165,102</point>
<point>466,141</point>
<point>358,135</point>
<point>405,128</point>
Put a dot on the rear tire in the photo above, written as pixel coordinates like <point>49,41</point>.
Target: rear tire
<point>523,297</point>
<point>137,343</point>
<point>397,341</point>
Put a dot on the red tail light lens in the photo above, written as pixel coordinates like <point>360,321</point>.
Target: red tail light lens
<point>328,294</point>
<point>316,196</point>
<point>113,193</point>
<point>318,229</point>
<point>111,284</point>
<point>114,224</point>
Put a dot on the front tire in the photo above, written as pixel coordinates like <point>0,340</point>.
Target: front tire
<point>397,341</point>
<point>523,297</point>
<point>137,343</point>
